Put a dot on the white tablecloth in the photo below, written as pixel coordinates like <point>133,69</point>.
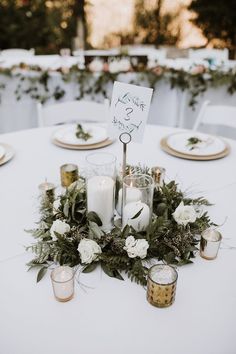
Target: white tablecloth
<point>112,316</point>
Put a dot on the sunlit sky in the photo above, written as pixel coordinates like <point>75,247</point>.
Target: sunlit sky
<point>109,16</point>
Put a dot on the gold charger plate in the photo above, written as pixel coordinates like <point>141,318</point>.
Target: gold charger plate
<point>9,153</point>
<point>181,155</point>
<point>83,147</point>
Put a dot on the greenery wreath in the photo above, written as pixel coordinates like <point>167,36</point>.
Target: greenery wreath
<point>67,235</point>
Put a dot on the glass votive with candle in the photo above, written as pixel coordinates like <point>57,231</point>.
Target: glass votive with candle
<point>210,243</point>
<point>47,191</point>
<point>158,175</point>
<point>63,283</point>
<point>100,183</point>
<point>69,174</point>
<point>161,285</point>
<point>138,200</point>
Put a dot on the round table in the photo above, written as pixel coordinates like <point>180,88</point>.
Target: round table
<point>107,315</point>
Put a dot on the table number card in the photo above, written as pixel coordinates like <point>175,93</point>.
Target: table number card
<point>129,110</point>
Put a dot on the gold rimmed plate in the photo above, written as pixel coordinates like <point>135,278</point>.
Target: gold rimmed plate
<point>189,156</point>
<point>8,155</point>
<point>99,145</point>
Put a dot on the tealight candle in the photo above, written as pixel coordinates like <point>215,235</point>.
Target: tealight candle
<point>140,222</point>
<point>69,174</point>
<point>100,199</point>
<point>210,243</point>
<point>161,286</point>
<point>63,283</point>
<point>132,195</point>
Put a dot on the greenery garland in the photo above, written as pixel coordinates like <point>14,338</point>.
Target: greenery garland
<point>165,239</point>
<point>195,81</point>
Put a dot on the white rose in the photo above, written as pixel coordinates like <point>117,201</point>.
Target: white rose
<point>114,67</point>
<point>96,65</point>
<point>56,206</point>
<point>184,214</point>
<point>124,65</point>
<point>136,248</point>
<point>61,227</point>
<point>88,250</point>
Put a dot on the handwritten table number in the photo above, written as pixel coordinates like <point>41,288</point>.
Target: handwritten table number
<point>129,110</point>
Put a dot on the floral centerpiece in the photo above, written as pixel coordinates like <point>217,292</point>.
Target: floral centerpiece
<point>67,234</point>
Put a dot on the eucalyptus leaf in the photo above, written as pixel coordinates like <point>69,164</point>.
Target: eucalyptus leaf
<point>92,216</point>
<point>137,214</point>
<point>41,274</point>
<point>89,268</point>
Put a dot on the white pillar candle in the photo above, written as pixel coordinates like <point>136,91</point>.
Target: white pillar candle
<point>132,195</point>
<point>100,199</point>
<point>141,222</point>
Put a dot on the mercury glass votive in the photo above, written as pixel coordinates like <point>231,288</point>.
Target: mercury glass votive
<point>158,175</point>
<point>69,174</point>
<point>47,191</point>
<point>210,243</point>
<point>161,285</point>
<point>63,283</point>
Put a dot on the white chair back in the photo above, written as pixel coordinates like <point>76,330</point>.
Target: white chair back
<point>72,111</point>
<point>15,52</point>
<point>205,53</point>
<point>216,115</point>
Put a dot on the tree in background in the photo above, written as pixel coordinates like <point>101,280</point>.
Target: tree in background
<point>46,25</point>
<point>217,20</point>
<point>153,26</point>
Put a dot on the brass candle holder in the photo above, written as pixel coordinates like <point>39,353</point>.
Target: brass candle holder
<point>69,174</point>
<point>158,175</point>
<point>161,285</point>
<point>210,243</point>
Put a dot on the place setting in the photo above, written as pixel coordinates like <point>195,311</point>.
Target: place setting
<point>81,136</point>
<point>6,153</point>
<point>192,145</point>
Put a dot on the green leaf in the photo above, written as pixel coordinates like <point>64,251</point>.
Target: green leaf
<point>138,213</point>
<point>41,273</point>
<point>92,216</point>
<point>90,268</point>
<point>66,208</point>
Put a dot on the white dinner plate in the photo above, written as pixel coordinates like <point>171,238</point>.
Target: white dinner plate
<point>67,134</point>
<point>209,145</point>
<point>2,151</point>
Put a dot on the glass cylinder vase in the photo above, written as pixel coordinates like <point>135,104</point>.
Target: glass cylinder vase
<point>100,183</point>
<point>137,201</point>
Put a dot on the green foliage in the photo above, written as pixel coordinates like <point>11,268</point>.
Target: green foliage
<point>46,26</point>
<point>37,86</point>
<point>168,241</point>
<point>216,20</point>
<point>153,26</point>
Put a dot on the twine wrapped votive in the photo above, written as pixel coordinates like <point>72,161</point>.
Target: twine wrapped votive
<point>161,285</point>
<point>69,174</point>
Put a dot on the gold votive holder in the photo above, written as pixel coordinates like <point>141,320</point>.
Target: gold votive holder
<point>69,174</point>
<point>63,283</point>
<point>47,191</point>
<point>210,243</point>
<point>161,285</point>
<point>158,175</point>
